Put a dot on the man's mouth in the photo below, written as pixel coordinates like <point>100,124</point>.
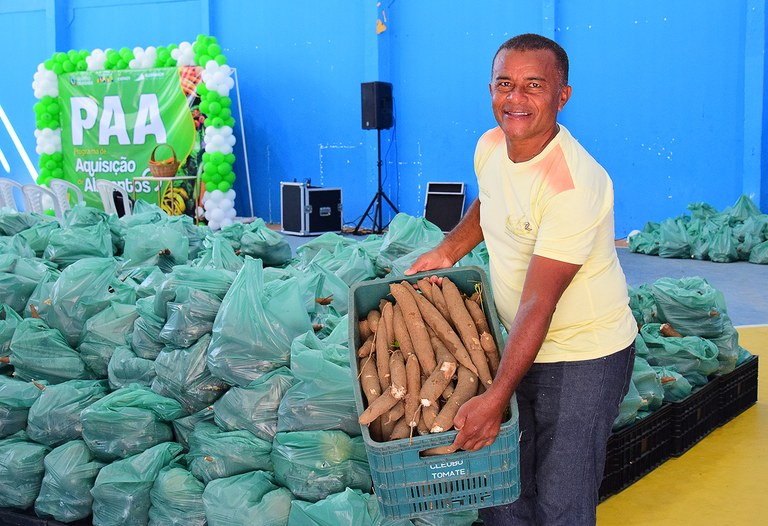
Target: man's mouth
<point>517,113</point>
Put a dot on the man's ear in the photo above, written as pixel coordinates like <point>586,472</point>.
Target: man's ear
<point>565,94</point>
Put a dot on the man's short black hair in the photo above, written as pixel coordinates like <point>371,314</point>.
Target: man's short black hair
<point>531,42</point>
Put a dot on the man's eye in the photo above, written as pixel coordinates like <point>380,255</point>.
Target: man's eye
<point>535,85</point>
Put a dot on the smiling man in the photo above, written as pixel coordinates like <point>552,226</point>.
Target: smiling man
<point>545,211</point>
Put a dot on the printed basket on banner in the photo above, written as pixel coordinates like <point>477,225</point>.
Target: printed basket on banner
<point>166,167</point>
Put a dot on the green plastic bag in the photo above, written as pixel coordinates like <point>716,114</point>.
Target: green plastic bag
<point>155,244</point>
<point>21,470</point>
<point>84,289</point>
<point>215,454</point>
<point>128,421</point>
<point>315,464</point>
<point>13,222</point>
<point>237,500</point>
<point>37,236</point>
<point>16,246</point>
<point>80,216</point>
<point>121,493</point>
<point>347,507</point>
<point>674,241</point>
<point>182,374</point>
<point>19,278</point>
<point>184,426</point>
<point>177,499</point>
<point>675,385</point>
<point>9,320</point>
<point>404,235</point>
<point>39,352</point>
<point>692,356</point>
<point>54,418</point>
<point>145,338</point>
<point>103,332</point>
<point>217,253</point>
<point>254,407</point>
<point>759,254</point>
<point>255,326</point>
<point>643,304</point>
<point>258,241</point>
<point>723,246</point>
<point>648,385</point>
<point>68,245</point>
<point>65,493</point>
<point>323,397</point>
<point>125,368</point>
<point>727,346</point>
<point>690,305</point>
<point>189,316</point>
<point>16,397</point>
<point>628,408</point>
<point>743,208</point>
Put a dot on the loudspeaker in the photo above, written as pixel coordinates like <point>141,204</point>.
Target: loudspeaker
<point>444,205</point>
<point>376,99</point>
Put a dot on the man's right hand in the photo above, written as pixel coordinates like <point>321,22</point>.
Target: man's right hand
<point>432,260</point>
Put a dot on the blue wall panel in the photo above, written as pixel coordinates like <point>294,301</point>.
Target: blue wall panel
<point>668,96</point>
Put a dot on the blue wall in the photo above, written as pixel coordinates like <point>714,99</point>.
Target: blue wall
<point>668,96</point>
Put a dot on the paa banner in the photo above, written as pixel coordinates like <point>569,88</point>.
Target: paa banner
<point>112,120</point>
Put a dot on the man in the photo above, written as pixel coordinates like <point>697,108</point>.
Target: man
<point>545,211</point>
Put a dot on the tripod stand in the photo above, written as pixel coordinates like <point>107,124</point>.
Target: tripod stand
<point>377,226</point>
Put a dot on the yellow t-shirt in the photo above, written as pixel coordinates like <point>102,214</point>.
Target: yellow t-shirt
<point>558,205</point>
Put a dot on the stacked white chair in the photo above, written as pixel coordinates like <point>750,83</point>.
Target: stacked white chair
<point>107,191</point>
<point>33,199</point>
<point>62,190</point>
<point>7,199</point>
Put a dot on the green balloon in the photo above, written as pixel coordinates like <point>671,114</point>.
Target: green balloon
<point>217,157</point>
<point>81,65</point>
<point>200,38</point>
<point>226,102</point>
<point>225,113</point>
<point>57,156</point>
<point>124,51</point>
<point>214,49</point>
<point>72,55</point>
<point>229,158</point>
<point>50,164</point>
<point>224,168</point>
<point>83,54</point>
<point>204,106</point>
<point>214,108</point>
<point>68,66</point>
<point>213,96</point>
<point>48,64</point>
<point>230,177</point>
<point>57,172</point>
<point>39,108</point>
<point>202,89</point>
<point>220,59</point>
<point>53,108</point>
<point>224,186</point>
<point>230,122</point>
<point>215,179</point>
<point>206,157</point>
<point>203,60</point>
<point>58,69</point>
<point>60,57</point>
<point>121,64</point>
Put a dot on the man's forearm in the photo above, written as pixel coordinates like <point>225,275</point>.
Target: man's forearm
<point>465,236</point>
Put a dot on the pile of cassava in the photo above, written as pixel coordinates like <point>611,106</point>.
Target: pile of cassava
<point>422,357</point>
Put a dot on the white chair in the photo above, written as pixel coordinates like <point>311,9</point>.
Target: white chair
<point>62,190</point>
<point>33,199</point>
<point>7,199</point>
<point>108,191</point>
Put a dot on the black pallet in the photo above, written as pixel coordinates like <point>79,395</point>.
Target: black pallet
<point>12,517</point>
<point>636,450</point>
<point>695,416</point>
<point>738,390</point>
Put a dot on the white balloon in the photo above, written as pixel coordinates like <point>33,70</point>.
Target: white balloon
<point>231,213</point>
<point>217,214</point>
<point>226,221</point>
<point>226,204</point>
<point>230,194</point>
<point>217,195</point>
<point>214,225</point>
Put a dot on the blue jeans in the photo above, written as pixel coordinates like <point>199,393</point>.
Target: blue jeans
<point>567,410</point>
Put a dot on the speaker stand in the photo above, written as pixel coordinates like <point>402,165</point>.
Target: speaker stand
<point>375,203</point>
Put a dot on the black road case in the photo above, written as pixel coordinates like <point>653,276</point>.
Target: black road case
<point>309,210</point>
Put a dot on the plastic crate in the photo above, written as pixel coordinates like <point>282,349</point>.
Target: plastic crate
<point>695,416</point>
<point>408,485</point>
<point>738,390</point>
<point>636,450</point>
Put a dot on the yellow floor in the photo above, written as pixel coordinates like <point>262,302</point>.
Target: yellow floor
<point>722,480</point>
